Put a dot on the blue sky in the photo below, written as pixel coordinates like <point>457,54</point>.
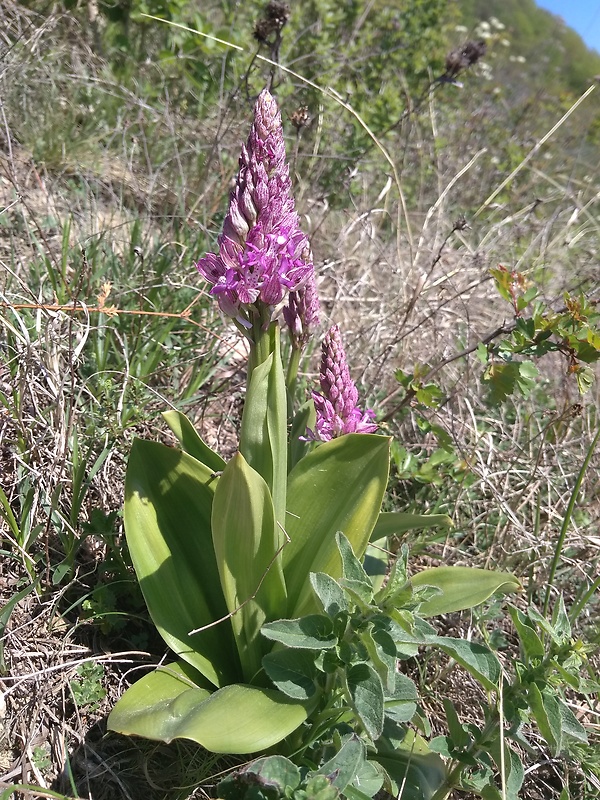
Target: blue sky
<point>582,15</point>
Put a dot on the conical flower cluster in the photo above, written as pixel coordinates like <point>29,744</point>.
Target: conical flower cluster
<point>301,313</point>
<point>263,255</point>
<point>337,409</point>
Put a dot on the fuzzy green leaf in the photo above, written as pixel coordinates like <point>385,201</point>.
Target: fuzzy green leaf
<point>366,691</point>
<point>292,671</point>
<point>546,712</point>
<point>314,632</point>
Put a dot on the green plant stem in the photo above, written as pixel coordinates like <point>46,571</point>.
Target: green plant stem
<point>262,342</point>
<point>453,779</point>
<point>292,377</point>
<point>567,521</point>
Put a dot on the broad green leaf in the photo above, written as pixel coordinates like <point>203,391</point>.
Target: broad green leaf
<point>314,632</point>
<point>376,563</point>
<point>168,505</point>
<point>352,569</point>
<point>393,523</point>
<point>263,435</point>
<point>367,781</point>
<point>546,711</point>
<point>415,771</point>
<point>191,442</point>
<point>461,587</point>
<point>513,769</point>
<point>477,659</point>
<point>234,719</point>
<point>339,486</point>
<point>401,704</point>
<point>246,543</point>
<point>292,671</point>
<point>366,691</point>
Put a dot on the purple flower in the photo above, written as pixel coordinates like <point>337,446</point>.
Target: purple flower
<point>263,255</point>
<point>336,407</point>
<point>302,313</point>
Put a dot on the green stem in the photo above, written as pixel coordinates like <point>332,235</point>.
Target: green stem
<point>567,521</point>
<point>453,778</point>
<point>291,379</point>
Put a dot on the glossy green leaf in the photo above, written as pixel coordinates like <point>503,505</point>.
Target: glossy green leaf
<point>304,418</point>
<point>339,486</point>
<point>461,587</point>
<point>168,506</point>
<point>366,691</point>
<point>246,543</point>
<point>263,435</point>
<point>234,719</point>
<point>394,523</point>
<point>191,442</point>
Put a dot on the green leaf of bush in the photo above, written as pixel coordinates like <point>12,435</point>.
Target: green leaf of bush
<point>366,691</point>
<point>314,632</point>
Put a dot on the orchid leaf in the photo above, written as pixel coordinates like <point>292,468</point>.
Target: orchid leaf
<point>235,719</point>
<point>393,523</point>
<point>263,436</point>
<point>168,505</point>
<point>337,487</point>
<point>246,544</point>
<point>190,441</point>
<point>461,587</point>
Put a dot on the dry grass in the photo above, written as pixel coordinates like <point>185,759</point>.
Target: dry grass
<point>406,289</point>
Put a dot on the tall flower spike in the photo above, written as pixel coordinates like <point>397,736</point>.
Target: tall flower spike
<point>263,254</point>
<point>336,407</point>
<point>301,313</point>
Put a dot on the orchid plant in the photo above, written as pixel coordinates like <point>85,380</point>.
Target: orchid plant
<point>259,573</point>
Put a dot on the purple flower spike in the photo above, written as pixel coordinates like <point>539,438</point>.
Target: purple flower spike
<point>263,255</point>
<point>302,313</point>
<point>337,410</point>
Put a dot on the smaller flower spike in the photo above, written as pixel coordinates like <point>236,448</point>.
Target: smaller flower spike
<point>336,407</point>
<point>263,255</point>
<point>302,313</point>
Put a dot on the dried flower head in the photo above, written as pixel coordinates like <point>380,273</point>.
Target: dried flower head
<point>464,57</point>
<point>337,409</point>
<point>274,17</point>
<point>300,118</point>
<point>263,254</point>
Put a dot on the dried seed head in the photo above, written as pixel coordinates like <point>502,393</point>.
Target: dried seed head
<point>274,17</point>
